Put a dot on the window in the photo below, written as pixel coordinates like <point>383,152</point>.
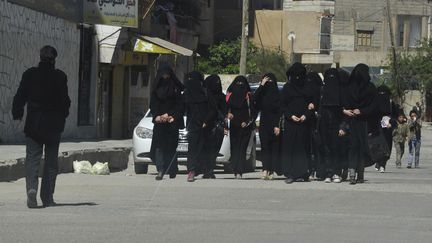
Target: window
<point>364,38</point>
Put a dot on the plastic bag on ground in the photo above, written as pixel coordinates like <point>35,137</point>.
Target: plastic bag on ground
<point>101,168</point>
<point>82,167</point>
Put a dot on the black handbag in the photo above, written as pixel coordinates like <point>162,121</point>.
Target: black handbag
<point>220,125</point>
<point>378,147</point>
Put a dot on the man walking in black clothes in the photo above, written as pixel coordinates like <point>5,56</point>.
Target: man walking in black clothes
<point>44,90</point>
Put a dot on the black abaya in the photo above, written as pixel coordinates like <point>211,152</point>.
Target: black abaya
<point>214,137</point>
<point>295,134</point>
<point>166,98</point>
<point>359,94</point>
<point>330,119</point>
<point>267,101</point>
<point>197,113</point>
<point>239,105</point>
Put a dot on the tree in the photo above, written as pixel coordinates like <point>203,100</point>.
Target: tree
<point>223,58</point>
<point>414,70</point>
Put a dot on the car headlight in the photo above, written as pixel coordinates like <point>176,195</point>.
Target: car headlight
<point>143,132</point>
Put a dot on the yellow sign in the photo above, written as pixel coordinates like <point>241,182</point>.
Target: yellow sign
<point>147,47</point>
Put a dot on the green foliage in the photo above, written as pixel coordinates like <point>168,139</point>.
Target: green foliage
<point>268,61</point>
<point>224,58</point>
<point>414,68</point>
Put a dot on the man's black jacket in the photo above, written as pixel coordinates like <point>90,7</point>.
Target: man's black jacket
<point>44,90</point>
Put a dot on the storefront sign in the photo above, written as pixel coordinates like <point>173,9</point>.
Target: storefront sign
<point>111,12</point>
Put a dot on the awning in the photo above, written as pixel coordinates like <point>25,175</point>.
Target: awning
<point>148,44</point>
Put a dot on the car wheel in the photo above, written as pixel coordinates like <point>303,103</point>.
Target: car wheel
<point>141,168</point>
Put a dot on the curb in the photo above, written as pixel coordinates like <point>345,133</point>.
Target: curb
<point>117,158</point>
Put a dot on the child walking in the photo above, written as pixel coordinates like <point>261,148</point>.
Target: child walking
<point>400,134</point>
<point>414,140</point>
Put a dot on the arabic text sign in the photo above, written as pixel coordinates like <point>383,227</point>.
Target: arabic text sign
<point>111,12</point>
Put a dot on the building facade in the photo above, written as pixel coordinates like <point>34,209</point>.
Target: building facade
<point>361,29</point>
<point>23,32</point>
<point>301,31</point>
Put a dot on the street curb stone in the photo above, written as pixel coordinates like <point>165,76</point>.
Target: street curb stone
<point>117,158</point>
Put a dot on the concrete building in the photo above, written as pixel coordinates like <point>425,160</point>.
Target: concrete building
<point>361,29</point>
<point>23,31</point>
<point>301,31</point>
<point>309,5</point>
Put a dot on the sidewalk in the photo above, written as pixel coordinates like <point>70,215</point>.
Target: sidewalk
<point>11,152</point>
<point>115,152</point>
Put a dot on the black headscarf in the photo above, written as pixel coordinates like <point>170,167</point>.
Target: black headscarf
<point>331,90</point>
<point>296,75</point>
<point>167,88</point>
<point>194,92</point>
<point>313,87</point>
<point>239,89</point>
<point>213,84</point>
<point>344,77</point>
<point>359,93</point>
<point>270,98</point>
<point>383,100</point>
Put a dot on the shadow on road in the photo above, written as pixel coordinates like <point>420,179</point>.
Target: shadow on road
<point>75,204</point>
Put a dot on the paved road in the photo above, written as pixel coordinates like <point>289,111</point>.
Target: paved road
<point>391,207</point>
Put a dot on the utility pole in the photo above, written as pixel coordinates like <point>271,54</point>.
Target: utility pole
<point>395,76</point>
<point>244,38</point>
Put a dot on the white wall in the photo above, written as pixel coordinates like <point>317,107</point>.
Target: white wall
<point>22,33</point>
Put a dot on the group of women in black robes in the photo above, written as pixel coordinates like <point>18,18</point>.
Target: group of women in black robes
<point>203,103</point>
<point>313,127</point>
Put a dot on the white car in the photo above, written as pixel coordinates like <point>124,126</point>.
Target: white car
<point>142,137</point>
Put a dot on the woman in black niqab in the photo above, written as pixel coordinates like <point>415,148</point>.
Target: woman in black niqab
<point>313,88</point>
<point>197,111</point>
<point>266,100</point>
<point>242,116</point>
<point>166,107</point>
<point>358,106</point>
<point>214,134</point>
<point>330,118</point>
<point>296,134</point>
<point>383,121</point>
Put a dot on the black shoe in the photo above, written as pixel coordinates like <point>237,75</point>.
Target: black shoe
<point>31,198</point>
<point>409,167</point>
<point>49,204</point>
<point>352,181</point>
<point>159,176</point>
<point>173,176</point>
<point>209,176</point>
<point>344,174</point>
<point>289,180</point>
